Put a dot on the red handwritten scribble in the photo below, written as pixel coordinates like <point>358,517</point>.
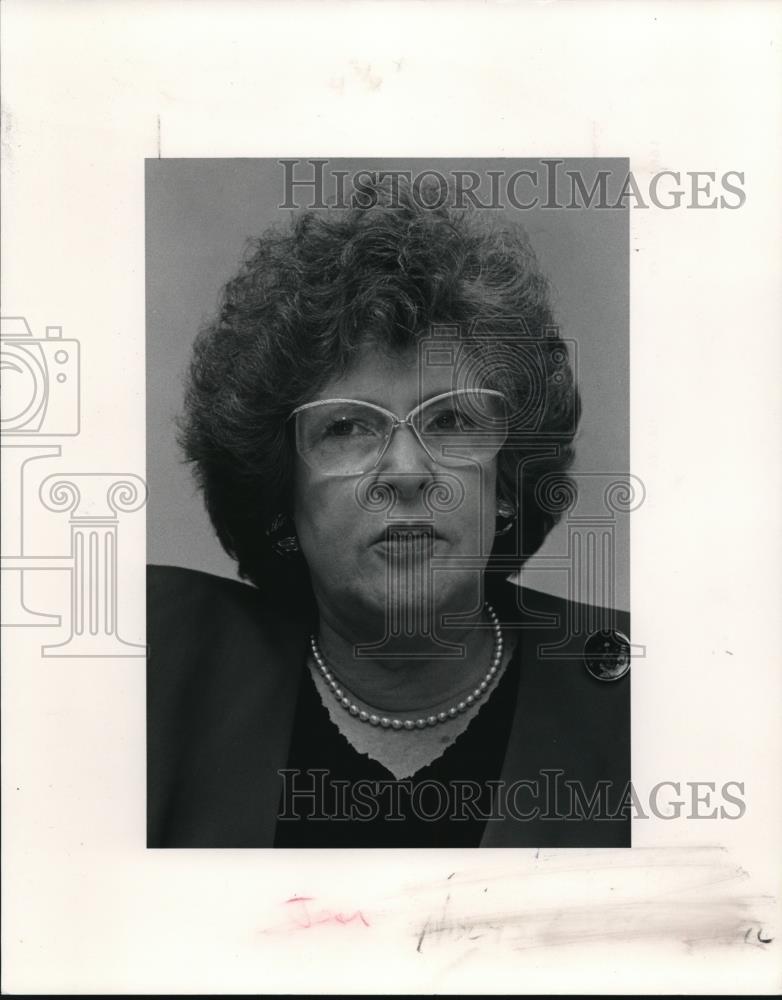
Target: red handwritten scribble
<point>305,918</point>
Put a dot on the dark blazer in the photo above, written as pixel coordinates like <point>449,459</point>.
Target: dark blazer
<point>223,676</point>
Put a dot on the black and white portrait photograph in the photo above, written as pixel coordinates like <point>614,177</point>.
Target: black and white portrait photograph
<point>389,383</point>
<point>390,429</point>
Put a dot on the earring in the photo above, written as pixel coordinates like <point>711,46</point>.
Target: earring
<point>506,518</point>
<point>282,536</point>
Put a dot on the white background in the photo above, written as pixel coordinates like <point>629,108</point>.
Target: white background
<point>682,87</point>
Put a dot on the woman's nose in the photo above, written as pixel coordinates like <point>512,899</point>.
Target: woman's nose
<point>406,464</point>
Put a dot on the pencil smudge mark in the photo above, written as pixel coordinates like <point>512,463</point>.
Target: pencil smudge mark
<point>363,71</point>
<point>691,898</point>
<point>8,140</point>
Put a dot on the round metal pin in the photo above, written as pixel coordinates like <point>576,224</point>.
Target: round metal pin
<point>607,655</point>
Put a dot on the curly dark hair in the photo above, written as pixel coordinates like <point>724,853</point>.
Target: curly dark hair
<point>305,298</point>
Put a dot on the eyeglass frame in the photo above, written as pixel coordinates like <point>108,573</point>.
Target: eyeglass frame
<point>396,422</point>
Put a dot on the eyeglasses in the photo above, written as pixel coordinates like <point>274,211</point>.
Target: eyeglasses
<point>348,437</point>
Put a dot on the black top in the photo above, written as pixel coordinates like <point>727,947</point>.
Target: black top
<point>334,796</point>
<point>224,676</point>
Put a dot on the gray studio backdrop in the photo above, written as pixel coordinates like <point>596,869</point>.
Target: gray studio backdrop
<point>200,212</point>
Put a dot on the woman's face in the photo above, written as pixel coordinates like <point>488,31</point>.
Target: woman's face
<point>347,526</point>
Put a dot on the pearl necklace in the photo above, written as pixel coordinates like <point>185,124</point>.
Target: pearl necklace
<point>420,723</point>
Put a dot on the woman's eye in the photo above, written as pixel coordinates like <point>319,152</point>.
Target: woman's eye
<point>345,428</point>
<point>444,421</point>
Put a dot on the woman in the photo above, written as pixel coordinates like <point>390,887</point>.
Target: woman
<point>376,419</point>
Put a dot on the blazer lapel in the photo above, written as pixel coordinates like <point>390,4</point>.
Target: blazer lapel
<point>567,729</point>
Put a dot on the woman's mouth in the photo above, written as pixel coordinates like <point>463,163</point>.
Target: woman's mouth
<point>407,538</point>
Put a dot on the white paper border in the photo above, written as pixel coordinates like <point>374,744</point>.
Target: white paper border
<point>90,91</point>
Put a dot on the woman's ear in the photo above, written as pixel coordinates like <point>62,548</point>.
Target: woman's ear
<point>506,517</point>
<point>282,536</point>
